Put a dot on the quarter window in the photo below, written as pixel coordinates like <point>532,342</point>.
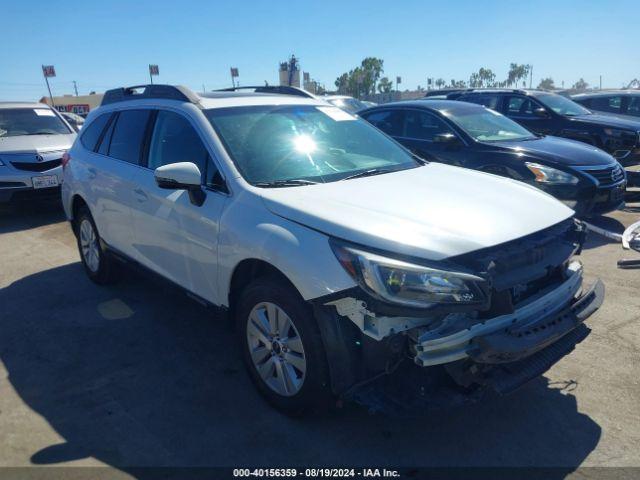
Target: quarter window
<point>126,140</point>
<point>175,140</point>
<point>91,133</point>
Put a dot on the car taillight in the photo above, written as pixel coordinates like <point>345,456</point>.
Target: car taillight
<point>66,158</point>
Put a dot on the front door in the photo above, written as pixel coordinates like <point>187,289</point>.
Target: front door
<point>173,236</point>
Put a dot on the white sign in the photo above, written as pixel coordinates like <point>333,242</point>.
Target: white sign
<point>336,114</point>
<point>44,112</point>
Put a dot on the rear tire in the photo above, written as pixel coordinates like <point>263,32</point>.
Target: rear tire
<point>99,266</point>
<point>282,348</point>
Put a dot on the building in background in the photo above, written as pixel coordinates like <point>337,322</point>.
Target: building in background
<point>289,72</point>
<point>80,105</point>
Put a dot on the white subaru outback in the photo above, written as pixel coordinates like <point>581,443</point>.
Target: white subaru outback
<point>341,256</point>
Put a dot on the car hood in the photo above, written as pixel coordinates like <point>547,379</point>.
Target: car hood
<point>608,121</point>
<point>36,143</point>
<point>432,212</point>
<point>561,151</point>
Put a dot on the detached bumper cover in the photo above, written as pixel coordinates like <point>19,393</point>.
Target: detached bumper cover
<point>511,337</point>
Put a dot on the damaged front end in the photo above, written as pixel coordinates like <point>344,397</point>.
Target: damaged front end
<point>497,317</point>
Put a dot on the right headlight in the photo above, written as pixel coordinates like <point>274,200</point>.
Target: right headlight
<point>409,284</point>
<point>549,175</point>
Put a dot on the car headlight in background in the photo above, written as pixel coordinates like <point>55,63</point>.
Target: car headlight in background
<point>399,282</point>
<point>551,176</point>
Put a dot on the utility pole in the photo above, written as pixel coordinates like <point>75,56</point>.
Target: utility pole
<point>75,87</point>
<point>600,82</point>
<point>531,76</point>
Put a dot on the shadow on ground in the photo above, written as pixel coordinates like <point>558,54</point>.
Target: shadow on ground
<point>139,375</point>
<point>29,215</point>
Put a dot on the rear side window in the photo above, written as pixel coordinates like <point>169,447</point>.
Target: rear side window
<point>175,140</point>
<point>91,133</point>
<point>634,106</point>
<point>128,133</point>
<point>489,101</point>
<point>520,106</point>
<point>607,104</point>
<point>389,121</point>
<point>424,126</point>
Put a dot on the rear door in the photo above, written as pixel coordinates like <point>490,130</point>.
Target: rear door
<point>173,236</point>
<point>111,177</point>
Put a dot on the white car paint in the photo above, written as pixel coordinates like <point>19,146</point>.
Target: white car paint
<point>432,212</point>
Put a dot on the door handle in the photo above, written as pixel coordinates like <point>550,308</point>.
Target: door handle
<point>141,195</point>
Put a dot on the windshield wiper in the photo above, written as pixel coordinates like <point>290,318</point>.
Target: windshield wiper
<point>292,182</point>
<point>368,173</point>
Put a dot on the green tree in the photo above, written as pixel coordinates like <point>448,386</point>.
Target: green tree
<point>440,82</point>
<point>546,84</point>
<point>516,73</point>
<point>580,85</point>
<point>482,78</point>
<point>363,79</point>
<point>385,85</point>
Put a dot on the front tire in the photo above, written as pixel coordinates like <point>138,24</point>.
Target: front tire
<point>98,265</point>
<point>282,348</point>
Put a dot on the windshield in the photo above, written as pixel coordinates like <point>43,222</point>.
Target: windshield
<point>562,105</point>
<point>349,104</point>
<point>487,125</point>
<point>274,143</point>
<point>30,121</point>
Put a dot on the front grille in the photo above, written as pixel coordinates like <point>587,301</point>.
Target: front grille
<point>515,264</point>
<point>37,167</point>
<point>606,176</point>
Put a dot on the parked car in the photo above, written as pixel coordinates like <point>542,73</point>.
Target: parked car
<point>340,255</point>
<point>617,102</point>
<point>552,114</point>
<point>76,121</point>
<point>585,178</point>
<point>33,138</point>
<point>346,103</point>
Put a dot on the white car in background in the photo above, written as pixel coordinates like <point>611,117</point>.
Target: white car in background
<point>33,139</point>
<point>346,103</point>
<point>340,255</point>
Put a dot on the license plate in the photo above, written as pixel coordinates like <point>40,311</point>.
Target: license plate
<point>45,181</point>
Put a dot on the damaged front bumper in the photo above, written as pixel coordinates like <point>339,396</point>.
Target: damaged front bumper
<point>508,338</point>
<point>501,351</point>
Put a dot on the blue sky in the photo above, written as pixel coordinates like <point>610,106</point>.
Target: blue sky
<point>110,43</point>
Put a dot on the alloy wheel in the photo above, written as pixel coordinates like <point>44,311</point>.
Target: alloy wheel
<point>89,245</point>
<point>276,349</point>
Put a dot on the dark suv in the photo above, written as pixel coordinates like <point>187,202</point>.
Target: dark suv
<point>618,102</point>
<point>551,114</point>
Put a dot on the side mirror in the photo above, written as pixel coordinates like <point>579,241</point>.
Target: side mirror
<point>181,176</point>
<point>449,138</point>
<point>541,112</point>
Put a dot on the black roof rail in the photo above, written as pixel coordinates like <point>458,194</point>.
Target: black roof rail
<point>277,89</point>
<point>167,92</point>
